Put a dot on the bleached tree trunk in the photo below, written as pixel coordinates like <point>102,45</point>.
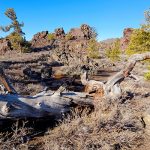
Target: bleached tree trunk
<point>41,105</point>
<point>112,87</point>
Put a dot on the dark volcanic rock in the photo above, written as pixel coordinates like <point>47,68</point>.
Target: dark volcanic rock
<point>70,52</point>
<point>126,38</point>
<point>59,33</point>
<point>5,45</point>
<point>67,48</point>
<point>41,42</point>
<point>76,33</point>
<point>87,31</point>
<point>46,72</point>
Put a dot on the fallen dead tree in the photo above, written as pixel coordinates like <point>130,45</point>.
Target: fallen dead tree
<point>112,89</point>
<point>48,103</point>
<point>41,105</point>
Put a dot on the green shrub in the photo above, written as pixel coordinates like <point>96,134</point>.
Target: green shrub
<point>147,76</point>
<point>51,36</point>
<point>113,53</point>
<point>69,36</point>
<point>26,47</point>
<point>139,43</point>
<point>93,49</point>
<point>19,43</point>
<point>140,38</point>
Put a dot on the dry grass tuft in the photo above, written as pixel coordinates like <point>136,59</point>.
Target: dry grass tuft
<point>16,139</point>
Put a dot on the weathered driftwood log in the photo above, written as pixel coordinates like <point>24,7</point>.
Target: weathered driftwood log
<point>112,88</point>
<point>41,105</point>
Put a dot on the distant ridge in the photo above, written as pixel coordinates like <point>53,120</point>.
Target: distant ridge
<point>109,41</point>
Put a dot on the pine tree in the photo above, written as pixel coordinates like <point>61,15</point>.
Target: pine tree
<point>140,38</point>
<point>16,38</point>
<point>10,13</point>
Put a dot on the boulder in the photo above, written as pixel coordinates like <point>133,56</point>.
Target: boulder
<point>87,31</point>
<point>59,33</point>
<point>31,74</point>
<point>76,33</point>
<point>46,72</point>
<point>126,38</point>
<point>40,35</point>
<point>41,42</point>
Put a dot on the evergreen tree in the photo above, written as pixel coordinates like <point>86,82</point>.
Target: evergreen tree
<point>10,13</point>
<point>140,38</point>
<point>113,52</point>
<point>16,38</point>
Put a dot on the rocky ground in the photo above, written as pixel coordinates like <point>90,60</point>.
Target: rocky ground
<point>119,124</point>
<point>122,124</point>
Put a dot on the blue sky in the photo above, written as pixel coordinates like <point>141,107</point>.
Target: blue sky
<point>109,17</point>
